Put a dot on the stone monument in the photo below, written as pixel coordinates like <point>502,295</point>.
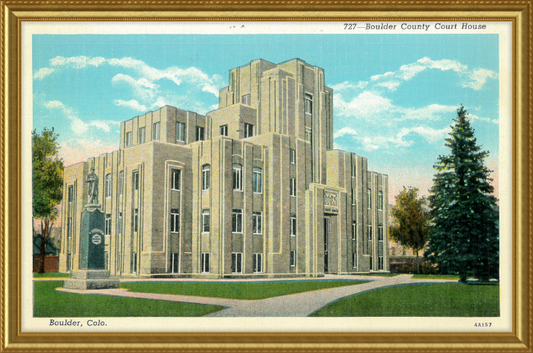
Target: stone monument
<point>92,273</point>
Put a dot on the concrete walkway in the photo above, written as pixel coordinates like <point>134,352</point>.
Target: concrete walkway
<point>292,305</point>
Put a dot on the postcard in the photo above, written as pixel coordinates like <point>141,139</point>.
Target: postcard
<point>247,176</point>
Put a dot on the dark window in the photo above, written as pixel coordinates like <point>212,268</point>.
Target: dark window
<point>136,220</point>
<point>293,258</point>
<point>180,131</point>
<point>292,156</point>
<point>206,176</point>
<point>175,221</point>
<point>108,224</point>
<point>257,180</point>
<point>176,179</point>
<point>236,221</point>
<point>224,130</point>
<point>246,99</point>
<point>142,135</point>
<point>258,263</point>
<point>200,133</point>
<point>135,178</point>
<point>236,262</point>
<point>174,262</point>
<point>206,219</point>
<point>237,177</point>
<point>248,130</point>
<point>308,103</point>
<point>257,222</point>
<point>108,185</point>
<point>204,262</point>
<point>155,131</point>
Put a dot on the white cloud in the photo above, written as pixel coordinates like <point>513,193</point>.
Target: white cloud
<point>344,131</point>
<point>391,85</point>
<point>43,72</point>
<point>400,139</point>
<point>478,78</point>
<point>366,105</point>
<point>141,87</point>
<point>430,112</point>
<point>77,62</point>
<point>77,125</point>
<point>377,77</point>
<point>133,104</point>
<point>475,117</point>
<point>348,85</point>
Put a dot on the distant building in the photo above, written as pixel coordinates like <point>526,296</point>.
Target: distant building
<point>253,188</point>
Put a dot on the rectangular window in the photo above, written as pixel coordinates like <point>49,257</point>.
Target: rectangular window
<point>354,196</point>
<point>371,263</point>
<point>206,176</point>
<point>236,221</point>
<point>70,193</point>
<point>223,130</point>
<point>108,185</point>
<point>354,230</point>
<point>176,179</point>
<point>246,99</point>
<point>121,182</point>
<point>258,263</point>
<point>108,224</point>
<point>369,232</point>
<point>155,131</point>
<point>69,227</point>
<point>135,180</point>
<point>237,177</point>
<point>205,221</point>
<point>204,262</point>
<point>354,170</point>
<point>380,262</point>
<point>292,154</point>
<point>175,220</point>
<point>257,180</point>
<point>293,225</point>
<point>308,134</point>
<point>369,197</point>
<point>236,262</point>
<point>257,222</point>
<point>129,139</point>
<point>380,232</point>
<point>180,131</point>
<point>134,262</point>
<point>354,260</point>
<point>142,135</point>
<point>248,130</point>
<point>200,133</point>
<point>119,225</point>
<point>308,103</point>
<point>174,262</point>
<point>293,258</point>
<point>136,220</point>
<point>380,200</point>
<point>293,187</point>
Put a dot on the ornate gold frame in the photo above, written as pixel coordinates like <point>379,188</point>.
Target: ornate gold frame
<point>13,13</point>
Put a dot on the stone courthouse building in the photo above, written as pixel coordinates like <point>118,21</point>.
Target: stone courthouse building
<point>251,189</point>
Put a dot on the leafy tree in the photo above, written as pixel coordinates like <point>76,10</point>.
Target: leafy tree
<point>465,235</point>
<point>47,183</point>
<point>410,226</point>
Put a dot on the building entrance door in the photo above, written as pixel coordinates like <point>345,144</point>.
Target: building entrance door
<point>326,237</point>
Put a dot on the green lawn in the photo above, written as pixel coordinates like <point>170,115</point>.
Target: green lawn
<point>50,303</point>
<point>454,300</point>
<point>380,274</point>
<point>235,290</point>
<point>442,277</point>
<point>51,275</point>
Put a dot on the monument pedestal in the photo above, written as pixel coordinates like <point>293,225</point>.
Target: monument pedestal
<point>91,279</point>
<point>92,273</point>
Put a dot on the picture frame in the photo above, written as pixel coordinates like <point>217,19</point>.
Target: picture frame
<point>14,13</point>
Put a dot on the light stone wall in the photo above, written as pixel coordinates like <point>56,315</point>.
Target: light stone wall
<point>332,186</point>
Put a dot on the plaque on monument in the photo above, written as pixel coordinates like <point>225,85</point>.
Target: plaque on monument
<point>92,273</point>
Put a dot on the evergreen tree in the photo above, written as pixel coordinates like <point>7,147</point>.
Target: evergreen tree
<point>47,184</point>
<point>465,235</point>
<point>410,225</point>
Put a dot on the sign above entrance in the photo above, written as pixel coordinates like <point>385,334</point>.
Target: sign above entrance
<point>331,202</point>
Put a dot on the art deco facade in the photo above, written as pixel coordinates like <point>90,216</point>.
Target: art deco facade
<point>253,188</point>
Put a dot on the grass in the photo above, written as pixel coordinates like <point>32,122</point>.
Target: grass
<point>51,275</point>
<point>443,277</point>
<point>235,290</point>
<point>449,300</point>
<point>47,302</point>
<point>380,274</point>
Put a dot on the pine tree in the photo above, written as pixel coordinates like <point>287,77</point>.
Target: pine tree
<point>465,235</point>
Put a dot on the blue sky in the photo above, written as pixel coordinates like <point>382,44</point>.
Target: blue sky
<point>394,95</point>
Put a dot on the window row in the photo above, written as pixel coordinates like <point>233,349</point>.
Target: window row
<point>236,262</point>
<point>257,178</point>
<point>369,199</point>
<point>236,221</point>
<point>156,128</point>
